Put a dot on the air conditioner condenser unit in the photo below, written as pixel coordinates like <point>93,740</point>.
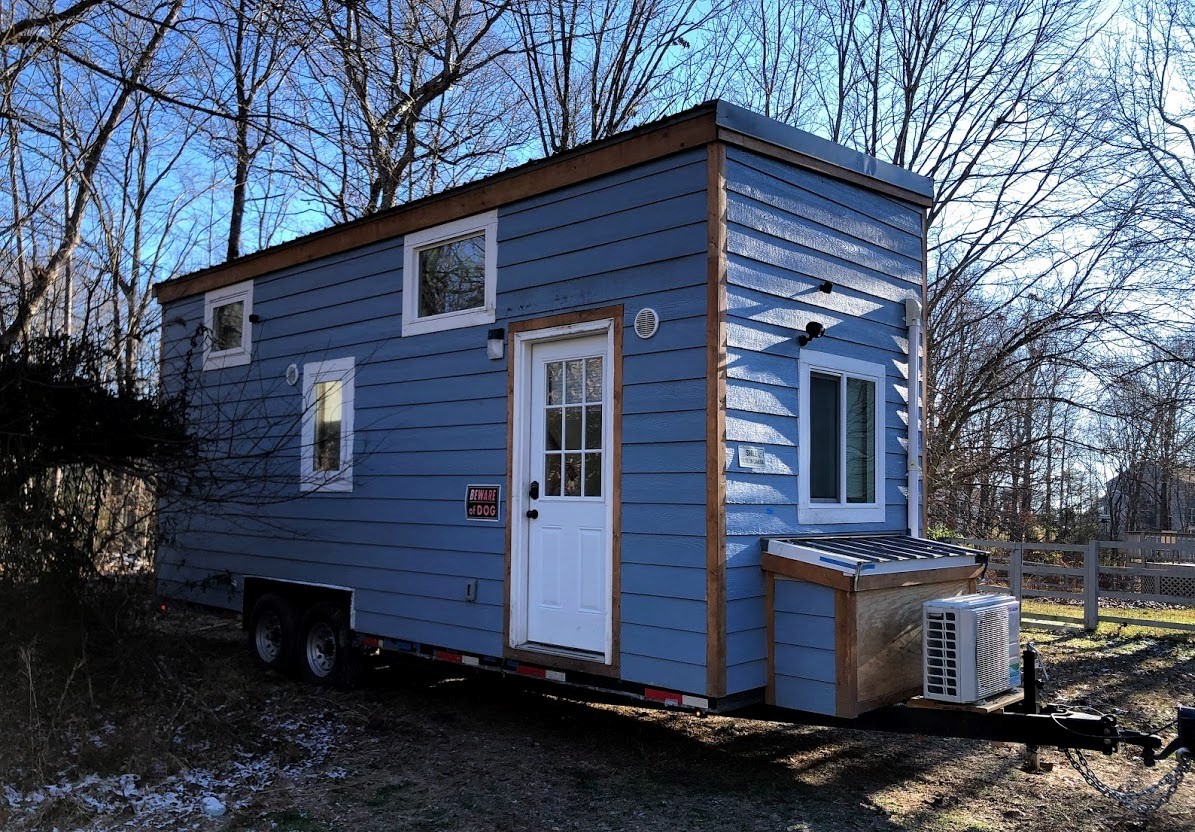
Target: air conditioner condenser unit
<point>970,647</point>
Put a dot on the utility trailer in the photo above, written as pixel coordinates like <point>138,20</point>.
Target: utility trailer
<point>643,418</point>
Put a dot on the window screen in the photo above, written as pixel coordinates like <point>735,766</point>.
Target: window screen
<point>823,436</point>
<point>860,440</point>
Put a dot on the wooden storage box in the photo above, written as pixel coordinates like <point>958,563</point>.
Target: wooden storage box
<point>843,638</point>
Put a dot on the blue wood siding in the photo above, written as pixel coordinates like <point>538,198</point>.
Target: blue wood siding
<point>431,418</point>
<point>804,650</point>
<point>788,230</point>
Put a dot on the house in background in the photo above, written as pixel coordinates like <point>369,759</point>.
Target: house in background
<point>552,420</point>
<point>1151,498</point>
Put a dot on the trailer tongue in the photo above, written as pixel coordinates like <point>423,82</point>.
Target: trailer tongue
<point>1033,725</point>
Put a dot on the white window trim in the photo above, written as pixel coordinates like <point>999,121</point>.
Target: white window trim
<point>412,324</point>
<point>342,370</point>
<point>830,513</point>
<point>238,356</point>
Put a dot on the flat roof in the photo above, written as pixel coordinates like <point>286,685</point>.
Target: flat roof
<point>713,121</point>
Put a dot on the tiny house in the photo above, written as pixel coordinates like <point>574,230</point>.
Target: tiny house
<point>642,415</point>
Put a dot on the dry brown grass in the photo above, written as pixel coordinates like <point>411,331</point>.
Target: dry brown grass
<point>425,747</point>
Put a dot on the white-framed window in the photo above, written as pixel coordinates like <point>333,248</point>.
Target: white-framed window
<point>327,430</point>
<point>229,332</point>
<point>450,275</point>
<point>841,478</point>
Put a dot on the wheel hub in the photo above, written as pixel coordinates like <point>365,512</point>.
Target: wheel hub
<point>321,649</point>
<point>268,637</point>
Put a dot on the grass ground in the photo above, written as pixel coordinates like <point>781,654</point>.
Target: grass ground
<point>1180,615</point>
<point>424,747</point>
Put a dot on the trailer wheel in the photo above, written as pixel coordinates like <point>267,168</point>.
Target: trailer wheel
<point>326,655</point>
<point>272,628</point>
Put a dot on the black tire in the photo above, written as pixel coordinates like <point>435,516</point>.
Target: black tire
<point>273,628</point>
<point>325,648</point>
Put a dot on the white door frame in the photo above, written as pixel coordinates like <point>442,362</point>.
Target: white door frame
<point>520,474</point>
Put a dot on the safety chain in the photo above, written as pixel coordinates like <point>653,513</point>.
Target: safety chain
<point>1143,801</point>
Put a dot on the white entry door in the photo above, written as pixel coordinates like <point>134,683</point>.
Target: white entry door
<point>568,435</point>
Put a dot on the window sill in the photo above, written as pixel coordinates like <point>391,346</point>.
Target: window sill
<point>335,483</point>
<point>449,320</point>
<point>831,514</point>
<point>225,358</point>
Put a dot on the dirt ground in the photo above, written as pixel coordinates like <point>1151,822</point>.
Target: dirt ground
<point>424,747</point>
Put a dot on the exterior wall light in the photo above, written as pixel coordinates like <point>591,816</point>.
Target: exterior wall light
<point>813,329</point>
<point>495,343</point>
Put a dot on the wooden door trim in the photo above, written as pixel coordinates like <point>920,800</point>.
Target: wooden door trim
<point>613,314</point>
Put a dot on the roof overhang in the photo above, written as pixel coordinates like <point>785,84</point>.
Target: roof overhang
<point>715,121</point>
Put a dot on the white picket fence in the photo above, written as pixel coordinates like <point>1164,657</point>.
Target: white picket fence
<point>1125,571</point>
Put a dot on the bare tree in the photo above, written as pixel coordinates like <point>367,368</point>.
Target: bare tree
<point>396,86</point>
<point>65,87</point>
<point>592,68</point>
<point>1027,270</point>
<point>252,47</point>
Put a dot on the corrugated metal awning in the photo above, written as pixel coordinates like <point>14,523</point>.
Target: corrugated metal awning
<point>873,554</point>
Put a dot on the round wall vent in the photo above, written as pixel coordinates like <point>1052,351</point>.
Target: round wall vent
<point>292,375</point>
<point>646,322</point>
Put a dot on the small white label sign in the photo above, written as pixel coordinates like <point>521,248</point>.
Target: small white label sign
<point>752,456</point>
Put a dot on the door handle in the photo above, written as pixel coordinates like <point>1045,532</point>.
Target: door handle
<point>533,513</point>
<point>533,492</point>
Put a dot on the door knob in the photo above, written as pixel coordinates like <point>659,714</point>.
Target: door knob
<point>533,513</point>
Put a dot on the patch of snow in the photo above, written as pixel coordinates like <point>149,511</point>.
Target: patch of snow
<point>181,801</point>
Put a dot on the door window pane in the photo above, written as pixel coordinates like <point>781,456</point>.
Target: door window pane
<point>573,382</point>
<point>328,407</point>
<point>572,475</point>
<point>593,427</point>
<point>552,434</point>
<point>593,379</point>
<point>452,276</point>
<point>228,324</point>
<point>823,436</point>
<point>552,475</point>
<point>572,428</point>
<point>555,383</point>
<point>860,440</point>
<point>593,475</point>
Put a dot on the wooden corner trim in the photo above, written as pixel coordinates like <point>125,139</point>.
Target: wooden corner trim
<point>846,675</point>
<point>685,132</point>
<point>769,605</point>
<point>715,411</point>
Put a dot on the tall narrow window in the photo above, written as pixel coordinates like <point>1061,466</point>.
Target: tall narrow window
<point>841,430</point>
<point>327,434</point>
<point>226,314</point>
<point>328,410</point>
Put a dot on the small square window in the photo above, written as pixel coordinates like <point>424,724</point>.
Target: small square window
<point>452,277</point>
<point>449,275</point>
<point>226,319</point>
<point>327,428</point>
<point>841,422</point>
<point>228,326</point>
